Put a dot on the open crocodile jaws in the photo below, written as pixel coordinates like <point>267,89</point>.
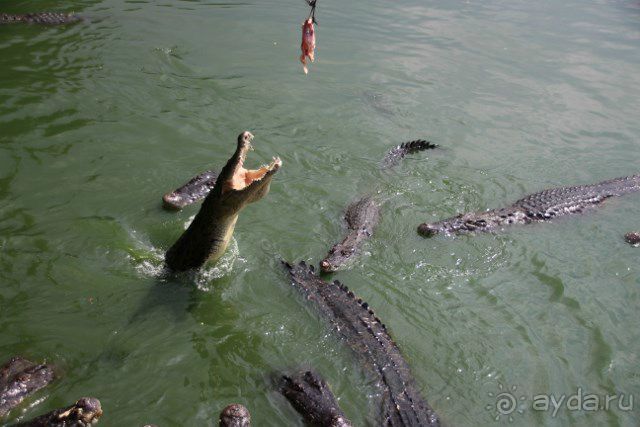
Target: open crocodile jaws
<point>210,232</point>
<point>367,336</point>
<point>542,206</point>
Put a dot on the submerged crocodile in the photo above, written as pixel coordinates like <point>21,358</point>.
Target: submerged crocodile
<point>362,216</point>
<point>632,238</point>
<point>367,336</point>
<point>538,207</point>
<point>210,232</point>
<point>397,153</point>
<point>85,412</point>
<point>18,379</point>
<point>235,415</point>
<point>42,18</point>
<point>313,399</point>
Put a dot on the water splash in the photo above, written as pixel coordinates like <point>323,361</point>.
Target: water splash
<point>204,277</point>
<point>148,261</point>
<point>188,222</point>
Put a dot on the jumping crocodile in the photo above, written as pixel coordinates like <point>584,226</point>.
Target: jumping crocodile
<point>362,216</point>
<point>210,232</point>
<point>42,18</point>
<point>367,336</point>
<point>542,206</point>
<point>18,379</point>
<point>85,412</point>
<point>313,399</point>
<point>235,415</point>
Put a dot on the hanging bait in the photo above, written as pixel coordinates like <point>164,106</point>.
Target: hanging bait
<point>308,44</point>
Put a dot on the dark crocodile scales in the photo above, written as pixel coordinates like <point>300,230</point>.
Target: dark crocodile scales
<point>309,393</point>
<point>42,18</point>
<point>197,188</point>
<point>367,336</point>
<point>398,152</point>
<point>18,379</point>
<point>537,207</point>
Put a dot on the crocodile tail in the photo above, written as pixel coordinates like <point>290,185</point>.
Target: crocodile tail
<point>417,145</point>
<point>394,155</point>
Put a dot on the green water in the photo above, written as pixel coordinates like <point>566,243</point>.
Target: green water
<point>98,120</point>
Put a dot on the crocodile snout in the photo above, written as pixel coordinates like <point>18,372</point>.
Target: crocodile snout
<point>427,230</point>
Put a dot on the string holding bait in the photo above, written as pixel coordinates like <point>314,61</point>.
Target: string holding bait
<point>312,13</point>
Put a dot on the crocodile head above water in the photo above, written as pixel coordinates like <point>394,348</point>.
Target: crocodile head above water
<point>210,232</point>
<point>84,413</point>
<point>235,415</point>
<point>361,218</point>
<point>18,379</point>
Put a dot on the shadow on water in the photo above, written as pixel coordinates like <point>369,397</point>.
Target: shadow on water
<point>601,352</point>
<point>170,294</point>
<point>172,303</point>
<point>7,179</point>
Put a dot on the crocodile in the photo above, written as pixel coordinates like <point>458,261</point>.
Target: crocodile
<point>312,398</point>
<point>368,337</point>
<point>393,156</point>
<point>538,207</point>
<point>235,415</point>
<point>18,379</point>
<point>197,188</point>
<point>210,232</point>
<point>42,18</point>
<point>632,238</point>
<point>362,216</point>
<point>85,412</point>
